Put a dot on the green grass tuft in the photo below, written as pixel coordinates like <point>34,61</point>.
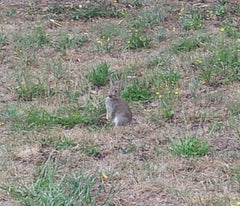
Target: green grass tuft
<point>190,44</point>
<point>65,41</point>
<point>94,11</point>
<point>99,75</point>
<point>138,39</point>
<point>190,147</point>
<point>137,92</point>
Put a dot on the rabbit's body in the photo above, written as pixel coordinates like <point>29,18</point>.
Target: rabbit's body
<point>118,110</point>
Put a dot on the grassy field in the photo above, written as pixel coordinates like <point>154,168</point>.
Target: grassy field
<point>180,61</point>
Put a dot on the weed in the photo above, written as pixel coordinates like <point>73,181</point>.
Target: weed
<point>37,38</point>
<point>222,65</point>
<point>167,92</point>
<point>161,34</point>
<point>126,150</point>
<point>222,201</point>
<point>221,9</point>
<point>107,30</point>
<point>58,68</point>
<point>190,44</point>
<point>136,3</point>
<point>72,119</point>
<point>138,91</point>
<point>66,41</point>
<point>190,20</point>
<point>148,18</point>
<point>88,115</point>
<point>234,108</point>
<point>95,110</point>
<point>10,113</point>
<point>35,118</point>
<point>3,38</point>
<point>137,40</point>
<point>57,9</point>
<point>59,143</point>
<point>104,45</point>
<point>190,146</point>
<point>99,75</point>
<point>51,188</point>
<point>30,87</point>
<point>193,85</point>
<point>91,150</point>
<point>230,30</point>
<point>12,12</point>
<point>206,75</point>
<point>94,11</point>
<point>236,174</point>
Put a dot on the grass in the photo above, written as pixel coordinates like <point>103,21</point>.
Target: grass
<point>190,44</point>
<point>190,147</point>
<point>89,114</point>
<point>167,92</point>
<point>138,91</point>
<point>59,143</point>
<point>65,41</point>
<point>222,65</point>
<point>99,75</point>
<point>30,87</point>
<point>36,38</point>
<point>94,11</point>
<point>180,66</point>
<point>138,39</point>
<point>50,188</point>
<point>3,38</point>
<point>190,20</point>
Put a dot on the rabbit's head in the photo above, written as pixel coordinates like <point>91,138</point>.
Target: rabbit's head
<point>115,89</point>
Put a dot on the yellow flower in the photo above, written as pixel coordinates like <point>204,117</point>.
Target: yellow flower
<point>157,93</point>
<point>123,12</point>
<point>177,91</point>
<point>99,42</point>
<point>222,29</point>
<point>199,61</point>
<point>104,176</point>
<point>2,123</point>
<point>202,199</point>
<point>238,202</point>
<point>174,29</point>
<point>180,13</point>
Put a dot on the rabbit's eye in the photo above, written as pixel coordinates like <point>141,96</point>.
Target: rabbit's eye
<point>116,91</point>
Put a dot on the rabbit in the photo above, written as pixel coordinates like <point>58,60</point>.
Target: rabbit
<point>118,110</point>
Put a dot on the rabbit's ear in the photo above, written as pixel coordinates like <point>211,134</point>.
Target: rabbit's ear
<point>121,84</point>
<point>111,82</point>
